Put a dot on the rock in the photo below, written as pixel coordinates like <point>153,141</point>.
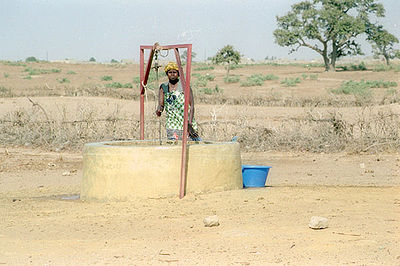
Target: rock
<point>362,165</point>
<point>66,173</point>
<point>211,221</point>
<point>317,222</point>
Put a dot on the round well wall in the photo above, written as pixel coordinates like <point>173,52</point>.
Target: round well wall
<point>122,170</point>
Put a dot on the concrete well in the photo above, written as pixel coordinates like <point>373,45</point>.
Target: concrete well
<point>123,170</point>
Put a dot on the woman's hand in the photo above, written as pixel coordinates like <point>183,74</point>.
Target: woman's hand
<point>192,133</point>
<point>159,110</point>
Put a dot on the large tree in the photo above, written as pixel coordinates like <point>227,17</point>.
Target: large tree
<point>382,42</point>
<point>227,55</point>
<point>329,27</point>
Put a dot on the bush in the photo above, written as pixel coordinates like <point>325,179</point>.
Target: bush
<point>71,72</point>
<point>232,79</point>
<point>118,85</point>
<point>200,68</point>
<point>359,89</point>
<point>92,59</point>
<point>270,77</point>
<point>5,92</point>
<point>353,67</point>
<point>200,83</point>
<point>114,61</point>
<point>379,68</point>
<point>210,91</point>
<point>10,63</point>
<point>35,71</point>
<point>253,80</point>
<point>63,80</point>
<point>106,78</point>
<point>290,82</point>
<point>31,59</point>
<point>360,66</point>
<point>380,84</point>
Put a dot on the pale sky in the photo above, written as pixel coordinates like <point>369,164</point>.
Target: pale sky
<point>114,29</point>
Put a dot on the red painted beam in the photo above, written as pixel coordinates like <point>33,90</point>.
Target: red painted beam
<point>144,77</point>
<point>141,94</point>
<point>186,86</point>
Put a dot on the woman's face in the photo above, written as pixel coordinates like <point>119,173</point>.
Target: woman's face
<point>173,74</point>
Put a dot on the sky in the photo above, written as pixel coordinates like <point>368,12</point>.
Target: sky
<point>115,29</point>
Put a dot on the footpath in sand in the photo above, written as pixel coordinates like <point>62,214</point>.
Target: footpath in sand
<point>42,222</point>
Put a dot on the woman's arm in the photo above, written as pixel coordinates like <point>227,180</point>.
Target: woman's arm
<point>160,107</point>
<point>191,103</point>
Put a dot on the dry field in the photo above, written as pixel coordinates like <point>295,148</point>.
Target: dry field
<point>332,154</point>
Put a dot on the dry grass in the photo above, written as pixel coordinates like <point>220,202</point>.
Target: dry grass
<point>317,133</point>
<point>370,131</point>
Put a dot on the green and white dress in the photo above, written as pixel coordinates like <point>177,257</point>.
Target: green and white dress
<point>174,103</point>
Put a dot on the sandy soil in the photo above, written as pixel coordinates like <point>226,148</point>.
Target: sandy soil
<point>43,222</point>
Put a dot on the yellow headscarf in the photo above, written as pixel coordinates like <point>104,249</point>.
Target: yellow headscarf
<point>171,66</point>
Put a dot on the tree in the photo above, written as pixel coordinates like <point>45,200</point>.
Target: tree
<point>92,59</point>
<point>329,27</point>
<point>227,55</point>
<point>184,55</point>
<point>382,42</point>
<point>31,59</point>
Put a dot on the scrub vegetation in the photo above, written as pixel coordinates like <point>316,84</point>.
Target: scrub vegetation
<point>322,121</point>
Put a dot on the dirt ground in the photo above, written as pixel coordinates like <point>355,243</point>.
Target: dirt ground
<point>43,222</point>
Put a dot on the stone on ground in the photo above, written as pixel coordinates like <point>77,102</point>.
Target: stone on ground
<point>317,222</point>
<point>211,221</point>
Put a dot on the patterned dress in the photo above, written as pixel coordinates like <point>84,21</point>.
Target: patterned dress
<point>174,103</point>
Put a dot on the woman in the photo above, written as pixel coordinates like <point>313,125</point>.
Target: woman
<point>171,97</point>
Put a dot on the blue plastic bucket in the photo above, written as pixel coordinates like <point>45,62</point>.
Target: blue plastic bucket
<point>254,175</point>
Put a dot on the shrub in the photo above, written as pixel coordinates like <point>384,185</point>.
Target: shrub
<point>118,85</point>
<point>5,92</point>
<point>114,61</point>
<point>360,66</point>
<point>233,66</point>
<point>31,59</point>
<point>6,75</point>
<point>71,72</point>
<point>200,83</point>
<point>63,80</point>
<point>232,79</point>
<point>210,91</point>
<point>106,78</point>
<point>380,84</point>
<point>290,82</point>
<point>253,80</point>
<point>360,90</point>
<point>92,59</point>
<point>10,63</point>
<point>35,71</point>
<point>206,77</point>
<point>200,68</point>
<point>379,68</point>
<point>270,77</point>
